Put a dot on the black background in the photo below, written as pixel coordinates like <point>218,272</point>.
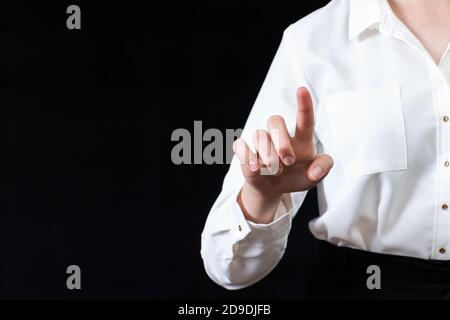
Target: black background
<point>85,127</point>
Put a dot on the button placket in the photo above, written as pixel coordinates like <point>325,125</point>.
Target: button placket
<point>442,106</point>
<point>443,218</point>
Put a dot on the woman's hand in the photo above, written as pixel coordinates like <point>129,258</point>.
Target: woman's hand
<point>282,164</point>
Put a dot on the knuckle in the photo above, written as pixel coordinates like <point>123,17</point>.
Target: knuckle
<point>238,145</point>
<point>275,120</point>
<point>306,124</point>
<point>247,174</point>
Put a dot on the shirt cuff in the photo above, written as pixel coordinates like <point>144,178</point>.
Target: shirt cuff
<point>275,230</point>
<point>228,234</point>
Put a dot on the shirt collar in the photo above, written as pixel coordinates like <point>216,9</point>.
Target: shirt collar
<point>364,14</point>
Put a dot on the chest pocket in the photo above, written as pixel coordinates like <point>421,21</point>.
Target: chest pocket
<point>368,130</point>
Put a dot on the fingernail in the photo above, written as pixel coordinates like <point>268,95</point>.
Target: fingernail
<point>253,165</point>
<point>288,160</point>
<point>316,173</point>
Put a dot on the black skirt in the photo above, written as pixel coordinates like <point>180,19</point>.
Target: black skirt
<point>344,273</point>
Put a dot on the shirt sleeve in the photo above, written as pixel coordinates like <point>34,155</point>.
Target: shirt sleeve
<point>237,253</point>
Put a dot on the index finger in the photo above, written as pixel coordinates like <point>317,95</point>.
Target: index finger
<point>305,116</point>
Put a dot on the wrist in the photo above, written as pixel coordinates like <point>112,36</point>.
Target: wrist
<point>256,207</point>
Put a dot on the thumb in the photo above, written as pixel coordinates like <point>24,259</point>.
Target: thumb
<point>320,167</point>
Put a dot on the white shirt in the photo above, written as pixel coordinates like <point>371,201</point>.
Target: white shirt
<point>381,111</point>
